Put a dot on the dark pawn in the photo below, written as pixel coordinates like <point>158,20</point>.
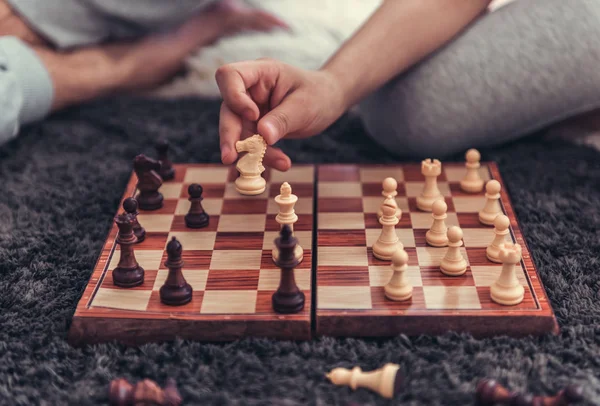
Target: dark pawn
<point>149,181</point>
<point>489,392</point>
<point>176,291</point>
<point>128,272</point>
<point>167,172</point>
<point>288,298</point>
<point>146,392</point>
<point>130,205</point>
<point>196,217</point>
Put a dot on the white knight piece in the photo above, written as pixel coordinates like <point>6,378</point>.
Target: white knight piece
<point>250,167</point>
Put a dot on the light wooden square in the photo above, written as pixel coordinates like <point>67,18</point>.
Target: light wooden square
<point>341,221</point>
<point>456,174</point>
<point>171,190</point>
<point>156,222</point>
<point>344,297</point>
<point>269,279</point>
<point>232,193</point>
<point>371,175</point>
<point>414,189</point>
<point>235,259</point>
<point>304,239</point>
<point>229,302</point>
<point>125,299</point>
<point>212,206</point>
<point>432,256</point>
<point>451,297</point>
<point>343,256</point>
<point>242,222</point>
<point>406,236</point>
<point>487,275</point>
<point>468,204</point>
<point>372,204</point>
<point>297,174</point>
<point>194,240</point>
<point>303,206</point>
<point>480,237</point>
<point>147,259</point>
<point>195,277</point>
<point>425,220</point>
<point>380,275</point>
<point>206,175</point>
<point>340,189</point>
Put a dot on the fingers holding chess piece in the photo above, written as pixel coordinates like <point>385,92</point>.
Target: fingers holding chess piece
<point>130,205</point>
<point>250,167</point>
<point>507,290</point>
<point>398,288</point>
<point>167,172</point>
<point>492,208</point>
<point>390,189</point>
<point>436,236</point>
<point>430,169</point>
<point>386,381</point>
<point>454,263</point>
<point>501,225</point>
<point>196,216</point>
<point>472,182</point>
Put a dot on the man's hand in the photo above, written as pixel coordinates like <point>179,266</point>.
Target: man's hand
<point>274,100</point>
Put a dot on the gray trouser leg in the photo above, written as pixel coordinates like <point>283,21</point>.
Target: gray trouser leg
<point>514,71</point>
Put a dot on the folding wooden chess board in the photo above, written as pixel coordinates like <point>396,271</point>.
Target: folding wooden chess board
<point>230,268</point>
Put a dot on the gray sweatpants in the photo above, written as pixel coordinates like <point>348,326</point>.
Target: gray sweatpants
<point>512,72</point>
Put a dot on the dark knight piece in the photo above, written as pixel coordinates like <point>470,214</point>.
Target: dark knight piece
<point>176,291</point>
<point>490,393</point>
<point>149,181</point>
<point>196,217</point>
<point>167,172</point>
<point>128,272</point>
<point>130,205</point>
<point>288,298</point>
<point>146,392</point>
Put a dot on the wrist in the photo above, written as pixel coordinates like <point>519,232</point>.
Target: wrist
<point>339,93</point>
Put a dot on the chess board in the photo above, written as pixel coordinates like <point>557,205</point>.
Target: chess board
<point>230,268</point>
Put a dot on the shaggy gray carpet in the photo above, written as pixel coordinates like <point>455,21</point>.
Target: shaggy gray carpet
<point>62,180</point>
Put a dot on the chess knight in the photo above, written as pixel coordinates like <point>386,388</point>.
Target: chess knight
<point>250,165</point>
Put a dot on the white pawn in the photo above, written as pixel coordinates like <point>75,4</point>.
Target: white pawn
<point>398,288</point>
<point>388,241</point>
<point>501,224</point>
<point>472,182</point>
<point>390,186</point>
<point>287,215</point>
<point>453,263</point>
<point>436,236</point>
<point>492,208</point>
<point>507,290</point>
<point>431,169</point>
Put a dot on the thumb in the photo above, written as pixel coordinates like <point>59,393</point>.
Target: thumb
<point>279,122</point>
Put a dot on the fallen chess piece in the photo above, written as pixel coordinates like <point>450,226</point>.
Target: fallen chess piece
<point>386,381</point>
<point>146,392</point>
<point>250,166</point>
<point>490,393</point>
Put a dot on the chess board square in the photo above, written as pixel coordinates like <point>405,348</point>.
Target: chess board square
<point>304,239</point>
<point>196,278</point>
<point>215,191</point>
<point>481,237</point>
<point>206,175</point>
<point>433,276</point>
<point>457,173</point>
<point>468,204</point>
<point>268,279</point>
<point>152,241</point>
<point>414,189</point>
<point>235,259</point>
<point>421,220</point>
<point>266,260</point>
<point>485,297</point>
<point>344,297</point>
<point>149,278</point>
<point>343,276</point>
<point>405,235</point>
<point>168,207</point>
<point>155,222</point>
<point>194,240</point>
<point>245,206</point>
<point>412,205</point>
<point>347,238</point>
<point>171,190</point>
<point>486,275</point>
<point>304,223</point>
<point>296,174</point>
<point>381,302</point>
<point>232,280</point>
<point>180,171</point>
<point>232,193</point>
<point>125,299</point>
<point>379,275</point>
<point>432,256</point>
<point>336,205</point>
<point>212,206</point>
<point>456,190</point>
<point>338,173</point>
<point>242,222</point>
<point>302,190</point>
<point>191,259</point>
<point>471,220</point>
<point>477,257</point>
<point>193,306</point>
<point>371,204</point>
<point>341,221</point>
<point>378,174</point>
<point>228,302</point>
<point>147,259</point>
<point>303,206</point>
<point>239,241</point>
<point>412,257</point>
<point>451,297</point>
<point>375,189</point>
<point>343,256</point>
<point>340,189</point>
<point>179,224</point>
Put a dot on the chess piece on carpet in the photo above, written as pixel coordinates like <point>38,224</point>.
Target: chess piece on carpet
<point>454,263</point>
<point>250,167</point>
<point>145,392</point>
<point>492,208</point>
<point>472,182</point>
<point>149,182</point>
<point>196,216</point>
<point>430,169</point>
<point>388,241</point>
<point>167,172</point>
<point>507,290</point>
<point>175,291</point>
<point>128,272</point>
<point>398,288</point>
<point>130,205</point>
<point>390,189</point>
<point>436,236</point>
<point>501,224</point>
<point>286,202</point>
<point>288,298</point>
<point>490,393</point>
<point>386,381</point>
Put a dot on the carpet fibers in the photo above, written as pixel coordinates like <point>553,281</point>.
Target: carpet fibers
<point>62,180</point>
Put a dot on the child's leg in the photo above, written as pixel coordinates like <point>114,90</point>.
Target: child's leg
<point>514,71</point>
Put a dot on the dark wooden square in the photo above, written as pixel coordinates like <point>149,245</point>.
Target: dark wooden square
<point>488,304</point>
<point>169,206</point>
<point>433,276</point>
<point>232,279</point>
<point>338,173</point>
<point>191,258</point>
<point>342,238</point>
<point>337,205</point>
<point>153,241</point>
<point>343,276</point>
<point>477,257</point>
<point>470,220</point>
<point>244,206</point>
<point>302,190</point>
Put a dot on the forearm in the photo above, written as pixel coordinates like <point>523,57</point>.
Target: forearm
<point>398,35</point>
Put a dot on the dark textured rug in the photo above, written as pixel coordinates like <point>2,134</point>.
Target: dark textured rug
<point>61,182</point>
